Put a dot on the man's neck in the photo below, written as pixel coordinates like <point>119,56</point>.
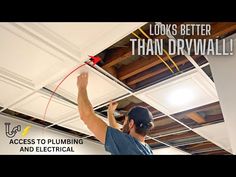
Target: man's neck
<point>138,137</point>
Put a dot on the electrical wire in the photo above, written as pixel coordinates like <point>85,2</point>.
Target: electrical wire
<point>145,34</point>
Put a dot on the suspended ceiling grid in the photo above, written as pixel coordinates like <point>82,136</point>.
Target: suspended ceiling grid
<point>55,46</point>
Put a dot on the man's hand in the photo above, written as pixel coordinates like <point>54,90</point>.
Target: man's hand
<point>112,107</point>
<point>82,80</point>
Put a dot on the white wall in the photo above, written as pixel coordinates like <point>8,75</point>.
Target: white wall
<point>37,132</point>
<point>224,71</point>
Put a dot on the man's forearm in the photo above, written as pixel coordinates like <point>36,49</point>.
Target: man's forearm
<point>112,120</point>
<point>84,105</point>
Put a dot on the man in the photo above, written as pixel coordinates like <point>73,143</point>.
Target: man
<point>137,124</point>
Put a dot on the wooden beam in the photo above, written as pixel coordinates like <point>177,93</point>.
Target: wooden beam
<point>222,28</point>
<point>138,66</point>
<point>112,71</point>
<point>155,112</point>
<point>136,79</point>
<point>172,127</point>
<point>218,29</point>
<point>196,117</point>
<point>203,145</point>
<point>117,55</point>
<point>130,105</point>
<point>217,152</point>
<point>208,107</point>
<point>151,141</point>
<point>185,135</point>
<point>215,117</point>
<point>150,108</point>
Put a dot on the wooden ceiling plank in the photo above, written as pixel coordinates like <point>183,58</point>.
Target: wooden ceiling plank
<point>222,28</point>
<point>178,136</point>
<point>218,29</point>
<point>138,66</point>
<point>116,56</point>
<point>135,80</point>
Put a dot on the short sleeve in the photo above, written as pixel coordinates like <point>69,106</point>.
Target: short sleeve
<point>116,141</point>
<point>119,143</point>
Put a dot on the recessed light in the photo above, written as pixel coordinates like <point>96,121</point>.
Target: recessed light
<point>181,96</point>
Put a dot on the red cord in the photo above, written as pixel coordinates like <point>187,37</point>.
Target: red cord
<point>54,91</point>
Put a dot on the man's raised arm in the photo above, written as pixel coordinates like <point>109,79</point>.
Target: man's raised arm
<point>94,123</point>
<point>110,113</point>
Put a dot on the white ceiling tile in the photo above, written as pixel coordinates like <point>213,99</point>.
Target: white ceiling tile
<point>217,133</point>
<point>82,39</point>
<point>77,125</point>
<point>100,88</point>
<point>25,61</point>
<point>35,106</point>
<point>180,94</point>
<point>81,34</point>
<point>11,92</point>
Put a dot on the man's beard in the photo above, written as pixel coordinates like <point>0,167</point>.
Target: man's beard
<point>125,128</point>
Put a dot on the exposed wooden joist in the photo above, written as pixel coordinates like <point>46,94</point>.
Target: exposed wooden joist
<point>112,70</point>
<point>116,56</point>
<point>218,29</point>
<point>222,28</point>
<point>214,118</point>
<point>155,112</point>
<point>151,141</point>
<point>184,135</point>
<point>173,126</point>
<point>210,106</point>
<point>151,109</point>
<point>201,146</point>
<point>135,79</point>
<point>196,117</point>
<point>217,152</point>
<point>138,66</point>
